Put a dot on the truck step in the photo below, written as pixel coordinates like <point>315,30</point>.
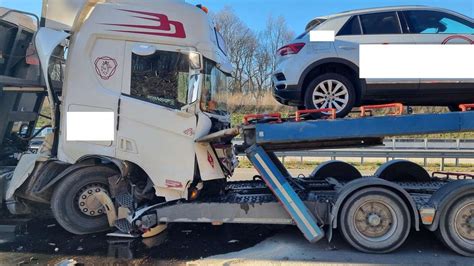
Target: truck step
<point>123,225</point>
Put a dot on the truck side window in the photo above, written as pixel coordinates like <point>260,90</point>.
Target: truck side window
<point>161,78</point>
<point>380,23</point>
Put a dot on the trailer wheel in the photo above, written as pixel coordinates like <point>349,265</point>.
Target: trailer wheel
<point>456,228</point>
<point>72,204</point>
<point>375,220</point>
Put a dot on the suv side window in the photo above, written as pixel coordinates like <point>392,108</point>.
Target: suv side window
<point>352,27</point>
<point>429,22</point>
<point>161,78</point>
<point>380,23</point>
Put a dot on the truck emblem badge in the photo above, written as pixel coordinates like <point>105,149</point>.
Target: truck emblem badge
<point>189,132</point>
<point>105,67</point>
<point>210,159</point>
<point>165,27</point>
<point>173,184</point>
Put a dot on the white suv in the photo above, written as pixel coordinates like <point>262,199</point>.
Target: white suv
<point>316,75</point>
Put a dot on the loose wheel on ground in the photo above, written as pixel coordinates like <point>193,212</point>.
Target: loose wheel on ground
<point>73,204</point>
<point>375,220</point>
<point>456,227</point>
<point>330,90</point>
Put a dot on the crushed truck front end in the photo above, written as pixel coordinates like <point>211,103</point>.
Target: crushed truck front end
<point>161,71</point>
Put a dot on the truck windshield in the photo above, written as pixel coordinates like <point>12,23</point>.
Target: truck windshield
<point>214,89</point>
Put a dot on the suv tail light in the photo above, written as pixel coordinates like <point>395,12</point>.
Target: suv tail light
<point>293,48</point>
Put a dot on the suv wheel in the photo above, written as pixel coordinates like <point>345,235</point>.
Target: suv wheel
<point>330,90</point>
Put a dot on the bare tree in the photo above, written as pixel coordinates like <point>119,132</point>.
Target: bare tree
<point>241,41</point>
<point>253,54</point>
<point>275,35</point>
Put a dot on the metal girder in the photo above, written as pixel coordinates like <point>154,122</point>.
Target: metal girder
<point>295,134</point>
<point>276,177</point>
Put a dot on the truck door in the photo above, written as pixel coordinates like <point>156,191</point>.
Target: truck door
<point>157,123</point>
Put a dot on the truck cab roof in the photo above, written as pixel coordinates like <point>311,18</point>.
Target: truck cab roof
<point>18,19</point>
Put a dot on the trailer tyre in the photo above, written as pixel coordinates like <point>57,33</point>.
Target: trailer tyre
<point>375,220</point>
<point>456,228</point>
<point>72,204</point>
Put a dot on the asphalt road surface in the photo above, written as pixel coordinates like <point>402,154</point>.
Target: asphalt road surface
<point>45,242</point>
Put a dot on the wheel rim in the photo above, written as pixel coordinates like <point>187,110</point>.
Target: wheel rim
<point>464,223</point>
<point>87,203</point>
<point>375,221</point>
<point>330,94</point>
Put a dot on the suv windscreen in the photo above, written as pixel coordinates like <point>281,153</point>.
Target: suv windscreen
<point>352,27</point>
<point>429,22</point>
<point>161,78</point>
<point>380,23</point>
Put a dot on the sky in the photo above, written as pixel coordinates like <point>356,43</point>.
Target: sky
<point>297,12</point>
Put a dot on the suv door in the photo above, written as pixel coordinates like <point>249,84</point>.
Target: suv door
<point>157,123</point>
<point>376,28</point>
<point>436,27</point>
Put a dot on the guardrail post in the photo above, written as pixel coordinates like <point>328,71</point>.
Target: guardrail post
<point>458,144</point>
<point>393,144</point>
<point>425,162</point>
<point>426,143</point>
<point>441,167</point>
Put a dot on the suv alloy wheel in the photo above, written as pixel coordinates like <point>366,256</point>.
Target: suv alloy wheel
<point>330,90</point>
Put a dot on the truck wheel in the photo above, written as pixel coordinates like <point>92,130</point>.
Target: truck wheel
<point>456,228</point>
<point>330,90</point>
<point>73,205</point>
<point>375,220</point>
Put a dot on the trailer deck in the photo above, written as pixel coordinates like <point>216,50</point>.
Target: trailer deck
<point>316,201</point>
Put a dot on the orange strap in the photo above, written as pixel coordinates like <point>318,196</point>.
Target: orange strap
<point>247,118</point>
<point>313,111</point>
<point>398,106</point>
<point>466,107</point>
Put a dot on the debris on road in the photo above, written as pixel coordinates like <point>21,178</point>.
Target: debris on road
<point>69,262</point>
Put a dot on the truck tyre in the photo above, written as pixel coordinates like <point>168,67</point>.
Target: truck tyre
<point>456,227</point>
<point>73,205</point>
<point>330,90</point>
<point>375,220</point>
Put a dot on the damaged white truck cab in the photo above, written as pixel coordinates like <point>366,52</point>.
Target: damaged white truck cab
<point>160,67</point>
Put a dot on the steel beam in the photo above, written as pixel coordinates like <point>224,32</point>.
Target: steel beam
<point>275,176</point>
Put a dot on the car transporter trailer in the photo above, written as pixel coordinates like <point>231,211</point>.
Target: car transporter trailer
<point>374,213</point>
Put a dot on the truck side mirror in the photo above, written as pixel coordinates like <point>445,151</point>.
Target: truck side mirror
<point>195,61</point>
<point>193,90</point>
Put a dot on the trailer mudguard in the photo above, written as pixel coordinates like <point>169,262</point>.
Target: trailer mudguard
<point>447,195</point>
<point>336,169</point>
<point>402,171</point>
<point>355,185</point>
